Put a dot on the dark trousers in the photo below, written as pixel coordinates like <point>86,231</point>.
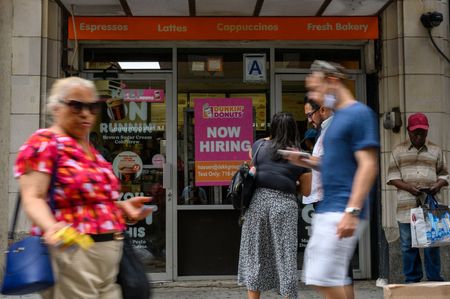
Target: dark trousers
<point>412,264</point>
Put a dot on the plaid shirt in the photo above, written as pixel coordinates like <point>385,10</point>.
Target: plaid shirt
<point>420,168</point>
<point>85,189</point>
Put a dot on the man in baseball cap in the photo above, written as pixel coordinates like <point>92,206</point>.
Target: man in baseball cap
<point>417,121</point>
<point>417,167</point>
<point>418,129</point>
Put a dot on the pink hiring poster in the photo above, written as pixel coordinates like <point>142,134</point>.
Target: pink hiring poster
<point>223,138</point>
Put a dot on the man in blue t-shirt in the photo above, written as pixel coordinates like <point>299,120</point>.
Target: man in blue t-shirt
<point>349,168</point>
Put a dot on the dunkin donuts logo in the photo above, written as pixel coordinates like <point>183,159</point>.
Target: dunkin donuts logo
<point>210,112</point>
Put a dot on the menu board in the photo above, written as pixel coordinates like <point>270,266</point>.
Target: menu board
<point>193,96</point>
<point>294,102</point>
<point>259,102</point>
<point>158,114</point>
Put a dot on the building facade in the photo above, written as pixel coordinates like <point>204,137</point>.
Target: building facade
<point>148,116</point>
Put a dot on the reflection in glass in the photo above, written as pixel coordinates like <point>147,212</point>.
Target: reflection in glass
<point>130,133</point>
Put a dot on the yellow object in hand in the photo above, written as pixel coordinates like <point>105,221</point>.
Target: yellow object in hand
<point>70,237</point>
<point>85,241</point>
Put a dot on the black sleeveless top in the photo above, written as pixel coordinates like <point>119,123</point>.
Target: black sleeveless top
<point>278,175</point>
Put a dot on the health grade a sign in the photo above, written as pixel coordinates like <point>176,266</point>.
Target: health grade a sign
<point>223,137</point>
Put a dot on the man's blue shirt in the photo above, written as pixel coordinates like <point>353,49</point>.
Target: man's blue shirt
<point>354,128</point>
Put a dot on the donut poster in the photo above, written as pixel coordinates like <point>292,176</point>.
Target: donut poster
<point>127,166</point>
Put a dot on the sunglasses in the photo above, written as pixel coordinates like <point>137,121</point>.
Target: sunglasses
<point>310,114</point>
<point>77,106</point>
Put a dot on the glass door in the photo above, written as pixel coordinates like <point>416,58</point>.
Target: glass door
<point>290,93</point>
<point>135,133</point>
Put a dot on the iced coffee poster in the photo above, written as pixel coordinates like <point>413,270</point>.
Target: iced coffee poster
<point>223,138</point>
<point>127,166</point>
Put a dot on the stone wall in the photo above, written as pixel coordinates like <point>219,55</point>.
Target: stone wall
<point>30,60</point>
<point>6,12</point>
<point>415,78</point>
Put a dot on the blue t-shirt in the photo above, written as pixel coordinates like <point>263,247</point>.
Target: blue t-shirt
<point>353,128</point>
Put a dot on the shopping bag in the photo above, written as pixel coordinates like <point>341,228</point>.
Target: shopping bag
<point>28,267</point>
<point>430,224</point>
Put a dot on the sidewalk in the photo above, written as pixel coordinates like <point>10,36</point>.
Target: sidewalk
<point>227,289</point>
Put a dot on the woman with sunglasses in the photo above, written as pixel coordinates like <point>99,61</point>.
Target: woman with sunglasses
<point>59,165</point>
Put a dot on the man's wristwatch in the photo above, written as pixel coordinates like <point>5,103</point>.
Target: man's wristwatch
<point>353,211</point>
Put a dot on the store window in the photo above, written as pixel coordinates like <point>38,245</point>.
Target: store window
<point>131,133</point>
<point>122,59</point>
<point>303,58</point>
<point>214,74</point>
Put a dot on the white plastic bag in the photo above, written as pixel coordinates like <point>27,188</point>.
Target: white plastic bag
<point>430,224</point>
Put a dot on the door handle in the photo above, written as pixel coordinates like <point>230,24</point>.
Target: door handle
<point>167,176</point>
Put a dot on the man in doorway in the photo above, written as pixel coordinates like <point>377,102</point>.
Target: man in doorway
<point>320,117</point>
<point>349,167</point>
<point>416,165</point>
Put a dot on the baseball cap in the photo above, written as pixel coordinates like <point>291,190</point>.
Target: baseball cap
<point>417,121</point>
<point>329,69</point>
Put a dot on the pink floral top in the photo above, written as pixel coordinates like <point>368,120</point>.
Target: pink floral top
<point>84,189</point>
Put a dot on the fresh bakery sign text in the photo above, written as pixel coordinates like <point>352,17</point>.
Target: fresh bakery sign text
<point>338,27</point>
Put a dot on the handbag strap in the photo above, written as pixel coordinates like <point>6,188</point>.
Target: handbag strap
<point>14,220</point>
<point>256,152</point>
<point>431,201</point>
<point>51,195</point>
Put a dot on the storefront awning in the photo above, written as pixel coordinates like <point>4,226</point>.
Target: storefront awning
<point>215,8</point>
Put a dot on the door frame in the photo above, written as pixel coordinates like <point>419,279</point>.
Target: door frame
<point>169,169</point>
<point>365,266</point>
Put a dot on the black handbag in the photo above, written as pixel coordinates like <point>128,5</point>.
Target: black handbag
<point>28,264</point>
<point>242,186</point>
<point>132,277</point>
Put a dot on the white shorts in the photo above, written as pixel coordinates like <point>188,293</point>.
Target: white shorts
<point>327,257</point>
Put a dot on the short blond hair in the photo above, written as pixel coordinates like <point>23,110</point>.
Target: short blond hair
<point>62,87</point>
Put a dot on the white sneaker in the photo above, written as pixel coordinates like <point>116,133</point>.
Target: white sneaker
<point>381,282</point>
